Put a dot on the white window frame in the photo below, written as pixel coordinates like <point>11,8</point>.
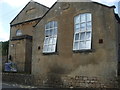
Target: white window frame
<point>78,43</point>
<point>50,40</point>
<point>18,32</point>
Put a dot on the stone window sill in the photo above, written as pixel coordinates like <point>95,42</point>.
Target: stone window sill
<point>51,53</point>
<point>83,51</point>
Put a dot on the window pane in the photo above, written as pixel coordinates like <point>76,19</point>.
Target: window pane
<point>83,18</point>
<point>54,40</point>
<point>82,36</point>
<point>88,44</point>
<point>88,17</point>
<point>49,48</point>
<point>83,29</point>
<point>47,25</point>
<point>50,40</point>
<point>46,40</point>
<point>55,24</point>
<point>77,36</point>
<point>83,26</point>
<point>18,33</point>
<point>55,31</point>
<point>88,35</point>
<point>77,30</point>
<point>50,37</point>
<point>89,26</point>
<point>76,45</point>
<point>77,27</point>
<point>51,24</point>
<point>45,48</point>
<point>82,45</point>
<point>47,32</point>
<point>77,19</point>
<point>53,48</point>
<point>51,32</point>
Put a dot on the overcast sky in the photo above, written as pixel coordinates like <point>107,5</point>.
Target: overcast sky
<point>10,8</point>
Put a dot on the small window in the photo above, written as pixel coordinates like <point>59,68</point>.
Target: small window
<point>82,31</point>
<point>50,37</point>
<point>18,33</point>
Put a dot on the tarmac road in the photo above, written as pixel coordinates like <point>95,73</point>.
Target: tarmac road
<point>6,86</point>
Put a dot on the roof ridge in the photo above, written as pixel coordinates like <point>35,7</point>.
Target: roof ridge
<point>113,6</point>
<point>39,3</point>
<point>32,1</point>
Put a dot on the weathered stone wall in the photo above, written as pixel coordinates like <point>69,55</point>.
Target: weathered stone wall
<point>17,52</point>
<point>17,78</point>
<point>24,21</point>
<point>21,53</point>
<point>28,57</point>
<point>60,81</point>
<point>100,61</point>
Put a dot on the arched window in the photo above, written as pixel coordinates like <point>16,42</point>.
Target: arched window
<point>18,33</point>
<point>82,31</point>
<point>50,37</point>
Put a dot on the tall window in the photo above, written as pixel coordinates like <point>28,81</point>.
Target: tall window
<point>50,37</point>
<point>82,32</point>
<point>18,33</point>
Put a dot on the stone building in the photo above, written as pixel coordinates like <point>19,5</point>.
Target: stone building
<point>69,39</point>
<point>21,32</point>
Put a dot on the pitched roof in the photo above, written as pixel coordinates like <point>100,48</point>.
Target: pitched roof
<point>26,6</point>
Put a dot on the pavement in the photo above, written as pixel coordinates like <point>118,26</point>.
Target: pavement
<point>9,86</point>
